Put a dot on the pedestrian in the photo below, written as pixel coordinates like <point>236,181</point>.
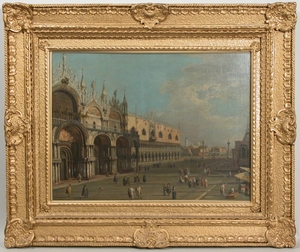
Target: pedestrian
<point>85,192</point>
<point>69,190</point>
<point>222,189</point>
<point>127,181</point>
<point>144,178</point>
<point>124,181</point>
<point>202,182</point>
<point>168,189</point>
<point>197,181</point>
<point>131,193</point>
<point>139,192</point>
<point>173,192</point>
<point>194,182</point>
<point>165,189</point>
<point>79,177</point>
<point>115,179</point>
<point>205,182</point>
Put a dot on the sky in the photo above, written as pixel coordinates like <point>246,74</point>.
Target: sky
<point>206,95</point>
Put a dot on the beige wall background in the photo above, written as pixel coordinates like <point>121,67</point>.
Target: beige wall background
<point>2,141</point>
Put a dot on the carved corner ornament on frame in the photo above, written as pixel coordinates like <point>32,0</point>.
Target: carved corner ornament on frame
<point>279,17</point>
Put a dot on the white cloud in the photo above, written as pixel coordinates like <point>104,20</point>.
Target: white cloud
<point>211,101</point>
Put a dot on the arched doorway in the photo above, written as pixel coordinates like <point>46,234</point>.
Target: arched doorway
<point>102,152</point>
<point>123,155</point>
<point>72,152</point>
<point>66,165</point>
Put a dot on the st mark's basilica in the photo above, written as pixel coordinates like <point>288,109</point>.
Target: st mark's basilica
<point>93,134</point>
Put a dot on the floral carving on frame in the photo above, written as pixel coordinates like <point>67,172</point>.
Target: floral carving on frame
<point>282,16</point>
<point>17,17</point>
<point>281,233</point>
<point>149,14</point>
<point>284,126</point>
<point>151,236</point>
<point>16,127</point>
<point>18,234</point>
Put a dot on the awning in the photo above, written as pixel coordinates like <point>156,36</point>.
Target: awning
<point>243,176</point>
<point>245,169</point>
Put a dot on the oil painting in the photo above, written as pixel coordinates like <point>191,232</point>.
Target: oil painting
<point>151,126</point>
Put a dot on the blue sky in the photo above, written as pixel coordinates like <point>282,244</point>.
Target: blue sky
<point>207,95</point>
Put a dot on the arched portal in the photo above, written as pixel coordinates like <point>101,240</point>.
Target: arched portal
<point>66,165</point>
<point>102,152</point>
<point>72,152</point>
<point>123,155</point>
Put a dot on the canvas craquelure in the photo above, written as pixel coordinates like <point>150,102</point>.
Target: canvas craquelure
<point>150,125</point>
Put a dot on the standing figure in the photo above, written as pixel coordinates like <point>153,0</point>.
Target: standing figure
<point>222,189</point>
<point>144,178</point>
<point>173,192</point>
<point>168,189</point>
<point>165,188</point>
<point>79,177</point>
<point>197,181</point>
<point>115,179</point>
<point>85,192</point>
<point>202,182</point>
<point>139,192</point>
<point>69,190</point>
<point>131,193</point>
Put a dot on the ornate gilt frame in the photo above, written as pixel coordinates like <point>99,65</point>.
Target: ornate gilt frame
<point>32,31</point>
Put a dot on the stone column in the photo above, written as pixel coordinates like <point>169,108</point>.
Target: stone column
<point>113,159</point>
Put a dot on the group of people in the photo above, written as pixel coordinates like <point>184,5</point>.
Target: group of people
<point>167,190</point>
<point>206,171</point>
<point>193,182</point>
<point>126,179</point>
<point>135,192</point>
<point>84,192</point>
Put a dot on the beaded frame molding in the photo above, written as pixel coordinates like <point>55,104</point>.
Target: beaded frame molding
<point>32,32</point>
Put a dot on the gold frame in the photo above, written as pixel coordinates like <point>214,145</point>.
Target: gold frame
<point>32,31</point>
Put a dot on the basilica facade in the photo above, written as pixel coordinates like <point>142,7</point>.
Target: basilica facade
<point>93,134</point>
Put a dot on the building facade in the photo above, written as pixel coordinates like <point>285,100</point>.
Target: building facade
<point>241,152</point>
<point>93,134</point>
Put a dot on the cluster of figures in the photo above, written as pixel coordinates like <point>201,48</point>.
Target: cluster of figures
<point>167,190</point>
<point>193,182</point>
<point>135,193</point>
<point>136,179</point>
<point>206,171</point>
<point>84,192</point>
<point>185,172</point>
<point>223,190</point>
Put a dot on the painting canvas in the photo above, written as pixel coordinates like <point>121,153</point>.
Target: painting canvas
<point>151,126</point>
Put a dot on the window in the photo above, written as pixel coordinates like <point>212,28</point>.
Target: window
<point>160,135</point>
<point>144,132</point>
